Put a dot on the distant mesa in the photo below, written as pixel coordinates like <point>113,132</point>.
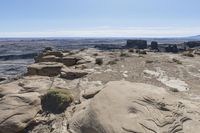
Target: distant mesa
<point>138,44</point>
<point>193,44</point>
<point>155,46</point>
<point>197,37</point>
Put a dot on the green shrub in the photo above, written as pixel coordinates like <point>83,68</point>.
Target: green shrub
<point>83,49</point>
<point>99,61</point>
<point>131,50</point>
<point>112,62</point>
<point>149,61</point>
<point>174,90</point>
<point>95,54</point>
<point>177,61</point>
<point>56,100</point>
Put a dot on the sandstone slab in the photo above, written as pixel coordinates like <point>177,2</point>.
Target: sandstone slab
<point>124,107</point>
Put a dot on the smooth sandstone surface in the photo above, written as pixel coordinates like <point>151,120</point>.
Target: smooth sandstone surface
<point>20,102</point>
<point>125,107</point>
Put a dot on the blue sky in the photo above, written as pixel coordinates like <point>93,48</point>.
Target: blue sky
<point>99,18</point>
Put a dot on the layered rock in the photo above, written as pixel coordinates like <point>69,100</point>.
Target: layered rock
<point>124,107</point>
<point>45,69</point>
<point>193,44</point>
<point>20,102</point>
<point>138,44</point>
<point>71,74</point>
<point>57,56</point>
<point>70,61</point>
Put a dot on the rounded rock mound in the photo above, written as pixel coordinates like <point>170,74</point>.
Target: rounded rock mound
<point>125,107</point>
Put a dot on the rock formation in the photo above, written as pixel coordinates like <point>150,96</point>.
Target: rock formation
<point>20,102</point>
<point>45,69</point>
<point>124,107</point>
<point>92,91</point>
<point>138,44</point>
<point>193,44</point>
<point>154,45</point>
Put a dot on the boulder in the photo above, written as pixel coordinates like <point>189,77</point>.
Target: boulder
<point>90,93</point>
<point>50,58</point>
<point>154,45</point>
<point>124,107</point>
<point>45,69</point>
<point>71,74</point>
<point>20,102</point>
<point>70,61</point>
<point>17,110</point>
<point>2,79</point>
<point>138,44</point>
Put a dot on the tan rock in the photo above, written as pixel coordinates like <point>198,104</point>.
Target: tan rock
<point>17,110</point>
<point>55,53</point>
<point>50,58</point>
<point>90,93</point>
<point>45,69</point>
<point>70,61</point>
<point>68,73</point>
<point>124,107</point>
<point>20,102</point>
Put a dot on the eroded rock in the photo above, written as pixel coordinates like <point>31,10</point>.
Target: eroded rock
<point>68,73</point>
<point>124,107</point>
<point>45,69</point>
<point>70,61</point>
<point>20,102</point>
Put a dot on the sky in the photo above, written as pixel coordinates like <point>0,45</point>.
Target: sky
<point>99,18</point>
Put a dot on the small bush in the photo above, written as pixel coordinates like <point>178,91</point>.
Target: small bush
<point>174,90</point>
<point>131,50</point>
<point>48,49</point>
<point>56,100</point>
<point>99,61</point>
<point>83,49</point>
<point>95,54</point>
<point>177,61</point>
<point>149,61</point>
<point>112,62</point>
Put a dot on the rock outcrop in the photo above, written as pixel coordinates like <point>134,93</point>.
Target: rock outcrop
<point>71,74</point>
<point>20,102</point>
<point>45,69</point>
<point>124,107</point>
<point>57,56</point>
<point>154,45</point>
<point>172,48</point>
<point>70,60</point>
<point>138,44</point>
<point>193,44</point>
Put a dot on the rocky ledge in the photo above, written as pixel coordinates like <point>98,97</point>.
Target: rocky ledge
<point>93,91</point>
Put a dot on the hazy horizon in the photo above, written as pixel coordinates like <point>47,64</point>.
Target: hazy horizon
<point>94,18</point>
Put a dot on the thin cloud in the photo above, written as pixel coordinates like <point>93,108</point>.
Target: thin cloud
<point>106,31</point>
